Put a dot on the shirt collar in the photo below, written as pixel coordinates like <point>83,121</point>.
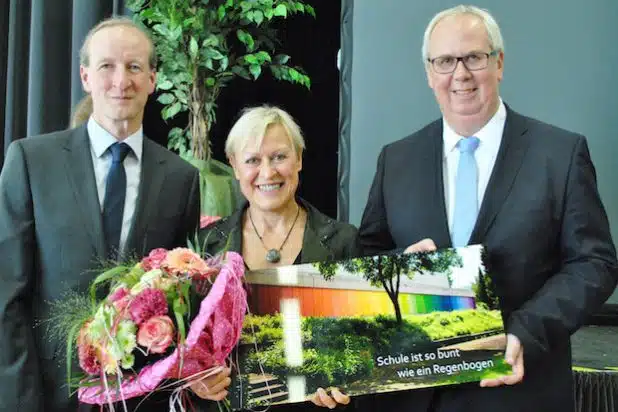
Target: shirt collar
<point>451,138</point>
<point>101,139</point>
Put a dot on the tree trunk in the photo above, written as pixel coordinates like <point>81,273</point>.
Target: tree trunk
<point>198,122</point>
<point>397,309</point>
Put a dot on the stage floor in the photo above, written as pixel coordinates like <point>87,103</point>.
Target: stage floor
<point>596,347</point>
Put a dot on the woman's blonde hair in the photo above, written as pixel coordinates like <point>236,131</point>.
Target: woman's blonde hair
<point>253,124</point>
<point>81,112</point>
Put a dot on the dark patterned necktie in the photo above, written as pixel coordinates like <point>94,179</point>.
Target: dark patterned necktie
<point>113,205</point>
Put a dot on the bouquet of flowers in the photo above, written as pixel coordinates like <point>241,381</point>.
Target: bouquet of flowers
<point>147,310</point>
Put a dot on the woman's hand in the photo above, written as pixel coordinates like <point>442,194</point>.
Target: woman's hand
<point>425,245</point>
<point>214,387</point>
<point>322,398</point>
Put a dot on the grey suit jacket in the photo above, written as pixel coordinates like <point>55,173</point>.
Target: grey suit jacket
<point>550,251</point>
<point>51,240</point>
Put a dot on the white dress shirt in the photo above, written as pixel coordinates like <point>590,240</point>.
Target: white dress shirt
<point>490,137</point>
<point>100,141</point>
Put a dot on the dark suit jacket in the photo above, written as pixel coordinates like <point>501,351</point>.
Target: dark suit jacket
<point>51,238</point>
<point>550,251</point>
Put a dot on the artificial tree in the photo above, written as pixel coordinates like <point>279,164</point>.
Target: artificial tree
<point>202,45</point>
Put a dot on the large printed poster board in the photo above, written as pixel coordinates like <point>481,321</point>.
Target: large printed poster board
<point>368,325</point>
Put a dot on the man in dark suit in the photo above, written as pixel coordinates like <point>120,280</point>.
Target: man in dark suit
<point>69,200</point>
<point>525,189</point>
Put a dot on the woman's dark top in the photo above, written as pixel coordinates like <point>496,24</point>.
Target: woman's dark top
<point>324,238</point>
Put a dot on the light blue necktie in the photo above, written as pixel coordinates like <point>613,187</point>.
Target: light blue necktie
<point>466,192</point>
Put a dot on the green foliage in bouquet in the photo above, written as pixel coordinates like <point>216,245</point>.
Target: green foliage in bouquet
<point>203,45</point>
<point>104,331</point>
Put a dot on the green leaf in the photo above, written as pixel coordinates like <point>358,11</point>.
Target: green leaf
<point>181,95</point>
<point>223,63</point>
<point>175,133</point>
<point>180,309</point>
<point>268,13</point>
<point>221,12</point>
<point>214,54</point>
<point>255,70</point>
<point>241,72</point>
<point>193,48</point>
<point>176,33</point>
<point>104,277</point>
<point>189,21</point>
<point>300,7</point>
<point>245,5</point>
<point>166,98</point>
<point>258,17</point>
<point>210,81</point>
<point>294,74</point>
<point>165,85</point>
<point>161,29</point>
<point>171,111</point>
<point>282,58</point>
<point>69,355</point>
<point>251,59</point>
<point>263,56</point>
<point>309,9</point>
<point>281,10</point>
<point>246,39</point>
<point>210,41</point>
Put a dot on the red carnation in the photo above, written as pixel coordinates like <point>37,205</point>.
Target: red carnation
<point>150,302</point>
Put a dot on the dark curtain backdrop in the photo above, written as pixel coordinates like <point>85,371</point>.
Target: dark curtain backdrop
<point>39,63</point>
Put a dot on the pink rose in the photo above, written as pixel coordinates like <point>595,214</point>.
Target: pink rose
<point>207,220</point>
<point>154,259</point>
<point>156,334</point>
<point>148,303</point>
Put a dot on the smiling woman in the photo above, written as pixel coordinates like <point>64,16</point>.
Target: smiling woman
<point>275,227</point>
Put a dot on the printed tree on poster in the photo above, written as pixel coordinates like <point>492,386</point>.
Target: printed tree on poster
<point>386,271</point>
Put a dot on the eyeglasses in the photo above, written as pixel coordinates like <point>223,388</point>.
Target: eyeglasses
<point>472,62</point>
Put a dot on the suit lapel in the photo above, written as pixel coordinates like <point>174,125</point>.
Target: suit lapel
<point>151,183</point>
<point>435,186</point>
<point>80,173</point>
<point>313,248</point>
<point>508,162</point>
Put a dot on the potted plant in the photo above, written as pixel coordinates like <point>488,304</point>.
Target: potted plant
<point>202,45</point>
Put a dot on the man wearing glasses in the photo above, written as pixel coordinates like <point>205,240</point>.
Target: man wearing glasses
<point>525,189</point>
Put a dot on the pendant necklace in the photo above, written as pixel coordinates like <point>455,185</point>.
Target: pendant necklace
<point>274,255</point>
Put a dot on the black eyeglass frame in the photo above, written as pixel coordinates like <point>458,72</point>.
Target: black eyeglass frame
<point>461,59</point>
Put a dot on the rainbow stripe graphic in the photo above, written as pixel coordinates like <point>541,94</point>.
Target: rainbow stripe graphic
<point>321,302</point>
